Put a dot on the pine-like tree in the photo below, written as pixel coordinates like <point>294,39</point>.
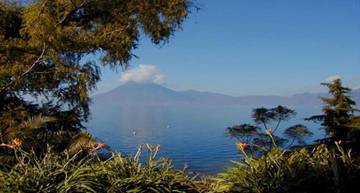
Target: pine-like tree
<point>338,111</point>
<point>45,68</point>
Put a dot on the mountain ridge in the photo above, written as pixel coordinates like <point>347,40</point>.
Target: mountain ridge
<point>152,94</point>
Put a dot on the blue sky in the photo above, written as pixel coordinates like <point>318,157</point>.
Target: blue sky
<point>257,47</point>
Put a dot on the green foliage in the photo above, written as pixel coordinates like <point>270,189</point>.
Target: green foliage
<point>45,68</point>
<point>338,119</point>
<point>299,171</point>
<point>266,138</point>
<point>297,133</point>
<point>264,116</point>
<point>66,173</point>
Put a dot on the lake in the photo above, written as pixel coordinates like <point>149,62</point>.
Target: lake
<point>192,136</point>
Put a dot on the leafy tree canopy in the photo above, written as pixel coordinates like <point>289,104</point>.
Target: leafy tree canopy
<point>264,138</point>
<point>44,44</point>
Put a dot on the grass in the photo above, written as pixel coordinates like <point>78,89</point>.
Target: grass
<point>300,171</point>
<point>322,169</point>
<point>73,173</point>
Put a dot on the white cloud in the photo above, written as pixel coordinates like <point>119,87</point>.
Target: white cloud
<point>332,78</point>
<point>144,73</point>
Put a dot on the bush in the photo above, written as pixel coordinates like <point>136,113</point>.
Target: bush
<point>64,173</point>
<point>323,169</point>
<point>300,171</point>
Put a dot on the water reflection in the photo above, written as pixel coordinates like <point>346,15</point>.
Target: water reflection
<point>189,135</point>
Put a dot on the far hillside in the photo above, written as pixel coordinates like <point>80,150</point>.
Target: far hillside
<point>133,93</point>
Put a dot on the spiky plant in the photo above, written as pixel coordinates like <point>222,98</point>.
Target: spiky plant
<point>68,173</point>
<point>299,171</point>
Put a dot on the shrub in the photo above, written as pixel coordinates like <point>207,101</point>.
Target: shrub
<point>300,171</point>
<point>64,173</point>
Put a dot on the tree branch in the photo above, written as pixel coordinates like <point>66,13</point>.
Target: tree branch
<point>67,16</point>
<point>4,88</point>
<point>264,125</point>
<point>277,125</point>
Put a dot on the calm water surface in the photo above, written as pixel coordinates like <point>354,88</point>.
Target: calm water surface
<point>192,136</point>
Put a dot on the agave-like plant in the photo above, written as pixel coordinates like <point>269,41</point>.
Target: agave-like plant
<point>69,173</point>
<point>23,135</point>
<point>301,171</point>
<point>24,128</point>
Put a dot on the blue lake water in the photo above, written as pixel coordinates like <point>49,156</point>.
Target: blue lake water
<point>189,135</point>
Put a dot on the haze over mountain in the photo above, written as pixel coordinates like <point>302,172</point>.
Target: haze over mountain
<point>133,93</point>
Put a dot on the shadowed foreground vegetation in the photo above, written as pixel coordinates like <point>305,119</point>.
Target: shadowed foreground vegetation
<point>316,170</point>
<point>78,173</point>
<point>322,169</point>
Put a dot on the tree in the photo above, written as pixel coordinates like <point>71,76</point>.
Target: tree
<point>338,110</point>
<point>265,138</point>
<point>297,133</point>
<point>44,57</point>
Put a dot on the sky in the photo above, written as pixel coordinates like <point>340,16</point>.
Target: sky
<point>253,47</point>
